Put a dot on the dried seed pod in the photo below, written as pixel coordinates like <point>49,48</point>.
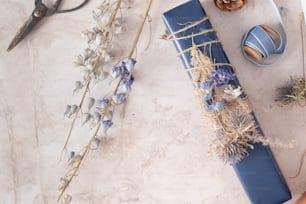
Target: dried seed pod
<point>67,111</point>
<point>73,109</point>
<point>95,143</point>
<point>79,60</point>
<point>96,118</point>
<point>85,118</point>
<point>86,74</point>
<point>106,124</point>
<point>78,86</point>
<point>75,160</point>
<point>90,103</point>
<point>63,183</point>
<point>71,155</point>
<point>66,199</point>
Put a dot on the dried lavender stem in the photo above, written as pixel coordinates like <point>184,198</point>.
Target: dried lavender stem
<point>140,29</point>
<point>87,148</point>
<point>76,169</point>
<point>113,16</point>
<point>75,117</point>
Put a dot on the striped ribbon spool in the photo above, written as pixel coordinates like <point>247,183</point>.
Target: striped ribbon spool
<point>263,45</point>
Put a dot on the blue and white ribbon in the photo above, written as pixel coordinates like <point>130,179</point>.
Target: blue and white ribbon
<point>261,41</point>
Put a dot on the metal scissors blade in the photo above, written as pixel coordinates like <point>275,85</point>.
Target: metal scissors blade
<point>40,11</point>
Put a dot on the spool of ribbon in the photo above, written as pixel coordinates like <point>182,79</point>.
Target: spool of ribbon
<point>264,45</point>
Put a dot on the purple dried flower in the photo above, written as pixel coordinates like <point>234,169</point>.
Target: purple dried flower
<point>119,98</point>
<point>129,64</point>
<point>216,106</point>
<point>96,30</point>
<point>207,84</point>
<point>126,84</point>
<point>116,72</point>
<point>208,89</point>
<point>106,124</point>
<point>102,103</point>
<point>221,77</point>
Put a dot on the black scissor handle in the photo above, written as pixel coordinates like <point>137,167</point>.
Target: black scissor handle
<point>54,8</point>
<point>73,9</point>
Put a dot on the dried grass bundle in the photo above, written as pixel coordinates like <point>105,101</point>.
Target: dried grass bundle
<point>294,92</point>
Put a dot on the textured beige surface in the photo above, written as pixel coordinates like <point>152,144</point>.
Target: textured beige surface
<point>157,153</point>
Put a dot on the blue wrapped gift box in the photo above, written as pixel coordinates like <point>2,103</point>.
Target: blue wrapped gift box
<point>258,172</point>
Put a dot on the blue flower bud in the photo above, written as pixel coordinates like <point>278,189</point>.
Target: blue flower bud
<point>119,98</point>
<point>129,64</point>
<point>106,124</point>
<point>116,72</point>
<point>102,103</point>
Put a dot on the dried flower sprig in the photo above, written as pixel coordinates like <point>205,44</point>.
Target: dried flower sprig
<point>94,57</point>
<point>294,92</point>
<point>102,117</point>
<point>227,106</point>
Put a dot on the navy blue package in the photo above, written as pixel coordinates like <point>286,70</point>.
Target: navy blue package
<point>258,172</point>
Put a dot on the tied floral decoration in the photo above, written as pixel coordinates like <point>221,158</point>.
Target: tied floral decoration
<point>101,118</point>
<point>228,108</point>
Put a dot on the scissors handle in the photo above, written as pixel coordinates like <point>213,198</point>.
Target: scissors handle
<point>73,9</point>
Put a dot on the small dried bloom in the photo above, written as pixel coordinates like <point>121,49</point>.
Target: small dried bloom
<point>233,93</point>
<point>79,60</point>
<point>86,74</point>
<point>89,36</point>
<point>106,124</point>
<point>116,72</point>
<point>90,63</point>
<point>95,143</point>
<point>94,75</point>
<point>102,103</point>
<point>73,109</point>
<point>108,115</point>
<point>221,77</point>
<point>129,64</point>
<point>67,111</point>
<point>78,86</point>
<point>75,160</point>
<point>119,98</point>
<point>85,118</point>
<point>96,118</point>
<point>90,103</point>
<point>71,155</point>
<point>88,53</point>
<point>70,110</point>
<point>63,183</point>
<point>208,90</point>
<point>66,199</point>
<point>217,106</point>
<point>101,39</point>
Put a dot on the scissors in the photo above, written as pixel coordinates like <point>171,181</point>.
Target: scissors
<point>40,11</point>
